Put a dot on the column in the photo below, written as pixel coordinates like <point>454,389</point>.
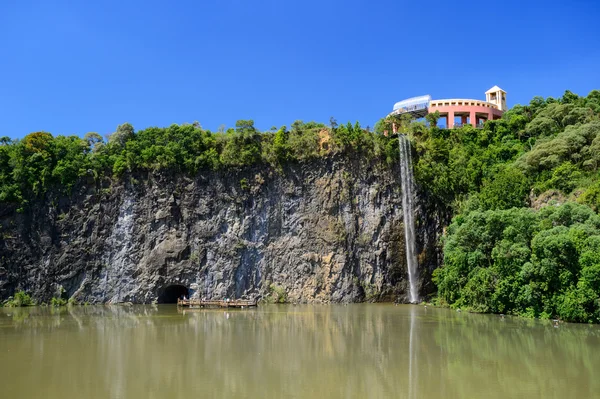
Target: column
<point>463,119</point>
<point>473,117</point>
<point>450,120</point>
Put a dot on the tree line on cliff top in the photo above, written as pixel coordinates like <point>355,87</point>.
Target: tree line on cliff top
<point>524,190</point>
<point>39,161</point>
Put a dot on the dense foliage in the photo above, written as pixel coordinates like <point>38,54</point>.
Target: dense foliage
<point>31,166</point>
<point>549,144</point>
<point>519,243</point>
<point>537,264</point>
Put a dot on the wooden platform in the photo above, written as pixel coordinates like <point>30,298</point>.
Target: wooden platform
<point>201,303</point>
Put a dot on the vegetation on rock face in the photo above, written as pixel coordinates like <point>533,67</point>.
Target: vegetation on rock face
<point>20,299</point>
<point>276,294</point>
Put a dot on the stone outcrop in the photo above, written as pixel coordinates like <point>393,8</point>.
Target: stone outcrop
<point>328,230</point>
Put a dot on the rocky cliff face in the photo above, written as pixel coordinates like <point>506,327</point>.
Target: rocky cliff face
<point>329,230</point>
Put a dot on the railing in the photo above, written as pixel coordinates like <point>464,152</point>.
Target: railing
<point>411,108</point>
<point>235,303</point>
<point>457,125</point>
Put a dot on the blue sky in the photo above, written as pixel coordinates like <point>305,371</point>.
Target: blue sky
<point>80,66</point>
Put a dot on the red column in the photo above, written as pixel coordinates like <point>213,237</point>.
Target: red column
<point>473,117</point>
<point>450,120</point>
<point>490,116</point>
<point>463,119</point>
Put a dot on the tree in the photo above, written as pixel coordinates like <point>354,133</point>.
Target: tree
<point>123,134</point>
<point>564,178</point>
<point>280,144</point>
<point>94,140</point>
<point>508,189</point>
<point>333,123</point>
<point>569,97</point>
<point>244,126</point>
<point>242,145</point>
<point>432,118</point>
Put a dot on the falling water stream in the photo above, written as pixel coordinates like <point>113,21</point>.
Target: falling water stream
<point>406,177</point>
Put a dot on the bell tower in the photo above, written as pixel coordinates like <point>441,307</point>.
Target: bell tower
<point>497,96</point>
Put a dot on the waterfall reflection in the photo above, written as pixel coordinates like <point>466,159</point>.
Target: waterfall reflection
<point>412,356</point>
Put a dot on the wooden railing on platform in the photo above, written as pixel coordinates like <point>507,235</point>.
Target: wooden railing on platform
<point>201,303</point>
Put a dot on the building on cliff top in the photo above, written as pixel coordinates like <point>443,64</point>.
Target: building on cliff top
<point>456,111</point>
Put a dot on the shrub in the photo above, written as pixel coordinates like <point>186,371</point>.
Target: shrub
<point>21,298</point>
<point>57,302</point>
<point>277,294</point>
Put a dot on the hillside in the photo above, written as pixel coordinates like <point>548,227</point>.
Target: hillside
<point>313,212</point>
<point>525,193</point>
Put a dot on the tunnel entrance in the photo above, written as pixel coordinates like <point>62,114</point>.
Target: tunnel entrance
<point>172,292</point>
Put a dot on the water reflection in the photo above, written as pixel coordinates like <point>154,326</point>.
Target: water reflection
<point>291,351</point>
<point>412,353</point>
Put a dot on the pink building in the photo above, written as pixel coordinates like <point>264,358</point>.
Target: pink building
<point>457,111</point>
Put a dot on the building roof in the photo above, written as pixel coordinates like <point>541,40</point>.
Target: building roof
<point>414,101</point>
<point>494,90</point>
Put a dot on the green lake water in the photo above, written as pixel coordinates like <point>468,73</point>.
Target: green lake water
<point>304,351</point>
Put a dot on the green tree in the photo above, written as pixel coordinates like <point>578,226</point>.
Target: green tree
<point>124,133</point>
<point>507,189</point>
<point>280,144</point>
<point>94,140</point>
<point>432,118</point>
<point>564,177</point>
<point>519,261</point>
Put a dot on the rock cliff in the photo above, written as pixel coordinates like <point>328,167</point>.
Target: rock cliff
<point>329,230</point>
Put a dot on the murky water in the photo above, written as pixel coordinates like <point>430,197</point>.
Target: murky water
<point>355,351</point>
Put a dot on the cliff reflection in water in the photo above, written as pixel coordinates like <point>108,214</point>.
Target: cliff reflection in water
<point>291,351</point>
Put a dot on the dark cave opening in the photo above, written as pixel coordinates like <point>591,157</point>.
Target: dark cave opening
<point>172,292</point>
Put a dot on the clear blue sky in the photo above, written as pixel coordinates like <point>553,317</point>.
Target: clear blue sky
<point>70,67</point>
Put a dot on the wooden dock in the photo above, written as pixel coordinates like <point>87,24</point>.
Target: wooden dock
<point>203,303</point>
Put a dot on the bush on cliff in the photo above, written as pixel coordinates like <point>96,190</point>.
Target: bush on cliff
<point>20,299</point>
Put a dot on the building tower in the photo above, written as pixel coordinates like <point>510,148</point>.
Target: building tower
<point>497,96</point>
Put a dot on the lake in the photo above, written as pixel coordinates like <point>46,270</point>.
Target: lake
<point>286,351</point>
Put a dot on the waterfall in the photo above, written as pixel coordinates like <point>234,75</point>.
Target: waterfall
<point>406,177</point>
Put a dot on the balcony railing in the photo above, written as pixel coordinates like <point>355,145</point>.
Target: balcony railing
<point>460,124</point>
